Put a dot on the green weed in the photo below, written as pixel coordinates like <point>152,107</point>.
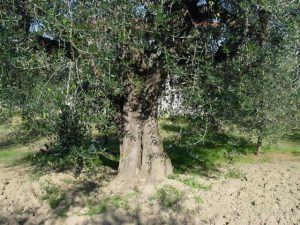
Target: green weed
<point>234,174</point>
<point>198,199</point>
<point>115,201</point>
<point>55,196</point>
<point>193,183</point>
<point>36,174</point>
<point>67,181</point>
<point>98,208</point>
<point>174,176</point>
<point>168,196</point>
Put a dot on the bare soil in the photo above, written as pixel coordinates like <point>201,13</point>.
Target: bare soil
<point>261,194</point>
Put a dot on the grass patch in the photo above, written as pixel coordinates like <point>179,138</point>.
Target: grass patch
<point>16,143</point>
<point>174,176</point>
<point>14,156</point>
<point>90,156</point>
<point>35,175</point>
<point>285,146</point>
<point>198,199</point>
<point>197,150</point>
<point>234,174</point>
<point>56,198</point>
<point>193,149</point>
<point>263,158</point>
<point>14,134</point>
<point>113,201</point>
<point>168,196</point>
<point>99,208</point>
<point>193,183</point>
<point>54,160</point>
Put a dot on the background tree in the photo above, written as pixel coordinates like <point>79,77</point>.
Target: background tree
<point>256,90</point>
<point>269,76</point>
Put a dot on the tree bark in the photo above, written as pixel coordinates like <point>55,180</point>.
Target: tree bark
<point>142,157</point>
<point>258,145</point>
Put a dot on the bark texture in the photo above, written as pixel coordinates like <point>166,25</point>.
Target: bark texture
<point>142,157</point>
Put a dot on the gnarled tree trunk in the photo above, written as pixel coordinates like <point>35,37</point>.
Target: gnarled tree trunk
<point>142,157</point>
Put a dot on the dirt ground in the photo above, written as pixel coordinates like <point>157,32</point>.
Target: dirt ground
<point>262,194</point>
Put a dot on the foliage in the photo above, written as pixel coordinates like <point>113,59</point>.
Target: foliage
<point>71,131</point>
<point>266,108</point>
<point>257,89</point>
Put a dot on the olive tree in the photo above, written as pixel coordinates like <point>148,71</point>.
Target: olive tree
<point>269,74</point>
<point>109,60</point>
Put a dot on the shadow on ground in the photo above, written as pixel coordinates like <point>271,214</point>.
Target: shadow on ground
<point>18,137</point>
<point>153,216</point>
<point>108,217</point>
<point>99,152</point>
<point>68,201</point>
<point>193,149</point>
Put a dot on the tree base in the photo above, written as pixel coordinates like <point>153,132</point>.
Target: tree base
<point>127,181</point>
